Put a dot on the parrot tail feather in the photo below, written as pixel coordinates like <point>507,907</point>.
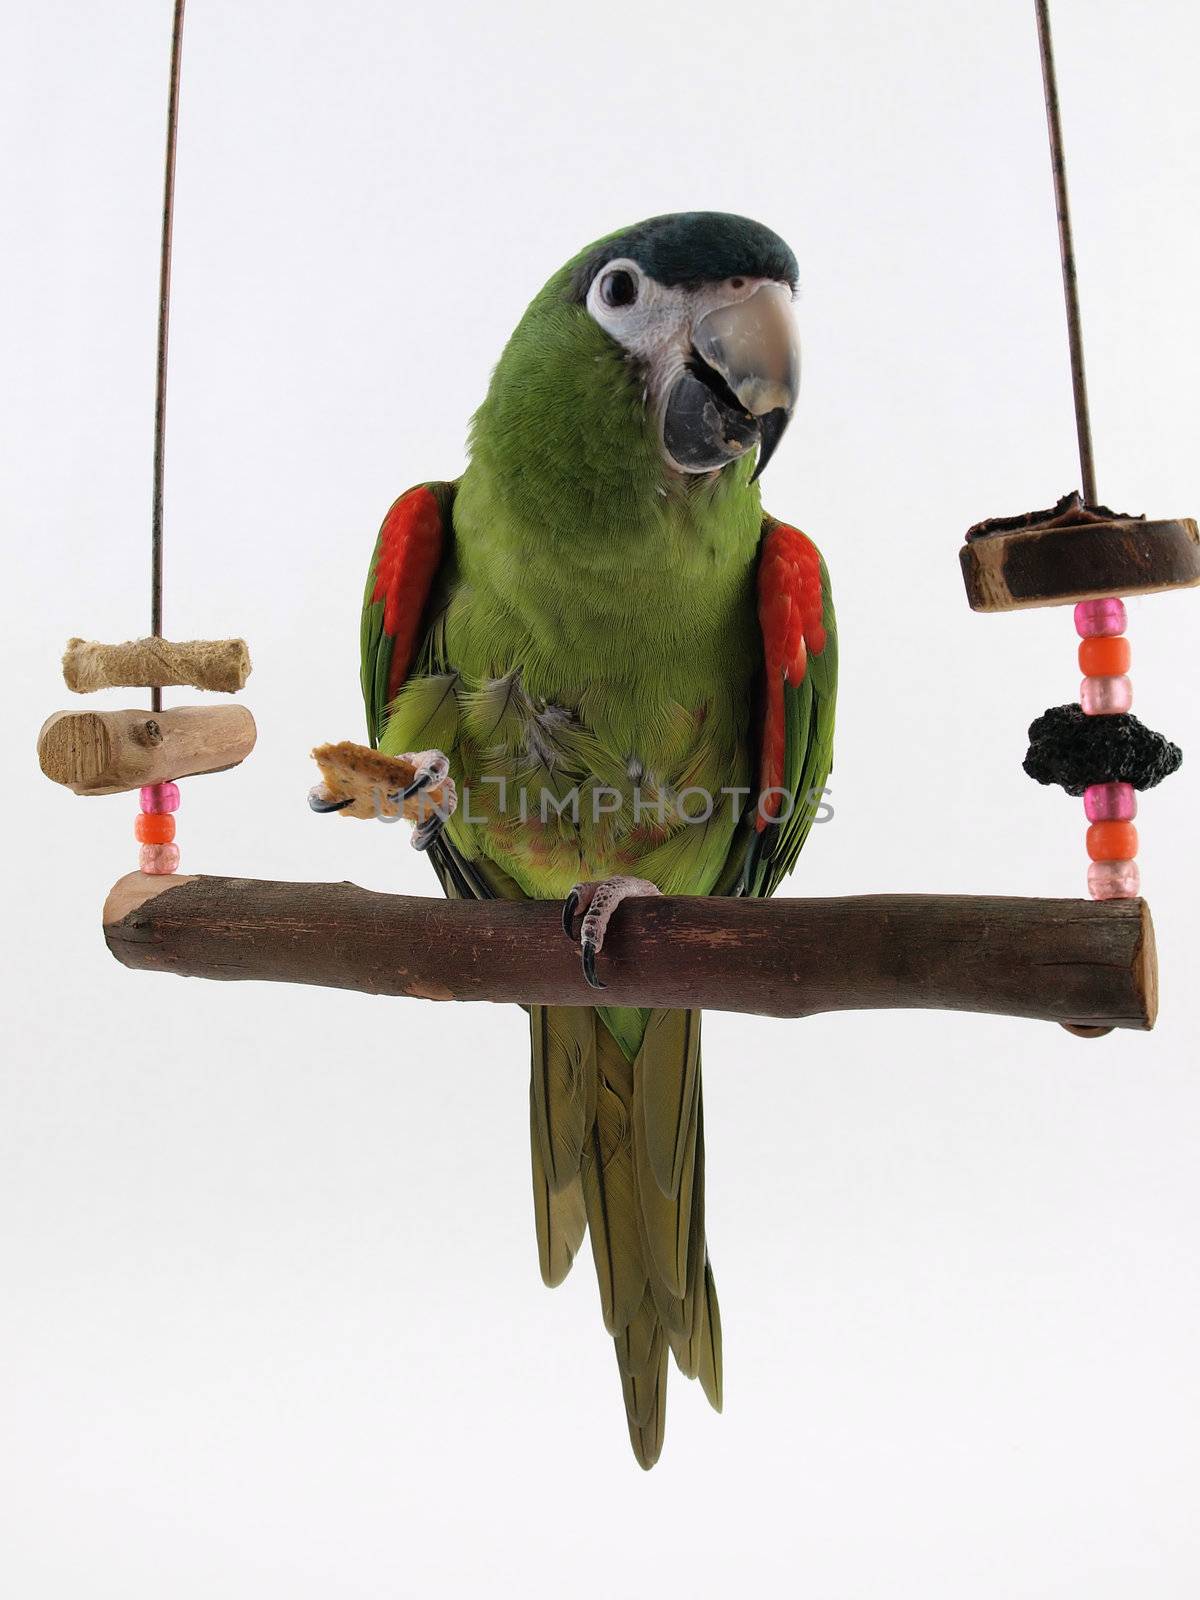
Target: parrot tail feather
<point>618,1147</point>
<point>560,1215</point>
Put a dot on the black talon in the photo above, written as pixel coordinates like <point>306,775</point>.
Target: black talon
<point>588,949</point>
<point>424,836</point>
<point>322,807</point>
<point>423,779</point>
<point>568,914</point>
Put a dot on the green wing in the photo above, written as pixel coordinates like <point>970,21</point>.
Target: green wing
<point>409,686</point>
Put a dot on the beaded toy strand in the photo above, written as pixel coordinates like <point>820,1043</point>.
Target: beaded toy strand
<point>1112,839</point>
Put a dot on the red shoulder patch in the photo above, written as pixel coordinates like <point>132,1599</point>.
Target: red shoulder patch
<point>410,552</point>
<point>791,607</point>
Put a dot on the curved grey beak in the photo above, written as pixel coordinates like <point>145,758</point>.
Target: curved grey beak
<point>740,387</point>
<point>755,346</point>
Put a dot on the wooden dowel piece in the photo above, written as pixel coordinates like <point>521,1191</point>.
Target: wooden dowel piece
<point>110,752</point>
<point>222,665</point>
<point>1073,961</point>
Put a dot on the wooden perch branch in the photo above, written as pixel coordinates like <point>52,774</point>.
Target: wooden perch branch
<point>1070,961</point>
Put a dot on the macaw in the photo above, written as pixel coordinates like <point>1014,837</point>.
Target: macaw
<point>598,635</point>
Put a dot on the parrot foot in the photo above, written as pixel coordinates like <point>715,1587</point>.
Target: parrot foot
<point>597,902</point>
<point>360,782</point>
<point>433,773</point>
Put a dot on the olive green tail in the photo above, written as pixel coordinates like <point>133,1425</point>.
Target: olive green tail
<point>617,1139</point>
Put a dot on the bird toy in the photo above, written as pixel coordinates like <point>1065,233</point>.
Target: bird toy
<point>1083,554</point>
<point>116,752</point>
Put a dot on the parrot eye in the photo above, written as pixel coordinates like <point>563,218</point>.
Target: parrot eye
<point>618,288</point>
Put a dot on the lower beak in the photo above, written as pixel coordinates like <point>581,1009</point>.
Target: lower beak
<point>771,427</point>
<point>740,389</point>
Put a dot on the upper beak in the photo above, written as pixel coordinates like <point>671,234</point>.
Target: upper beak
<point>755,346</point>
<point>739,388</point>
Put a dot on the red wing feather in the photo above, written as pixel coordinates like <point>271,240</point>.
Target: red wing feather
<point>791,606</point>
<point>410,552</point>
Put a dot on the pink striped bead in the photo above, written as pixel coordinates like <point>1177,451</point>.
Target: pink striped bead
<point>1096,619</point>
<point>158,859</point>
<point>159,797</point>
<point>1114,880</point>
<point>1105,697</point>
<point>1110,802</point>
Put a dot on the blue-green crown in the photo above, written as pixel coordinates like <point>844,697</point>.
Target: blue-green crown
<point>692,247</point>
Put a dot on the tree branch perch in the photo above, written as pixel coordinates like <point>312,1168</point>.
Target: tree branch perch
<point>1069,961</point>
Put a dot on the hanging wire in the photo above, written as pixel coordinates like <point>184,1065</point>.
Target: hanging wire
<point>1066,250</point>
<point>160,374</point>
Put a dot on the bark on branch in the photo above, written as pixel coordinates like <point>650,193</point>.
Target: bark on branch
<point>1069,961</point>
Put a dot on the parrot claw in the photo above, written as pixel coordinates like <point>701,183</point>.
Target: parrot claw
<point>598,901</point>
<point>427,832</point>
<point>587,949</point>
<point>321,800</point>
<point>431,817</point>
<point>433,768</point>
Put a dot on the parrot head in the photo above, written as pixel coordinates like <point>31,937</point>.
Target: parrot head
<point>672,342</point>
<point>702,302</point>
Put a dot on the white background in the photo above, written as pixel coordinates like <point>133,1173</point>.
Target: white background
<point>271,1321</point>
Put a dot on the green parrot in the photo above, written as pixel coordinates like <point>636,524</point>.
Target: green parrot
<point>623,671</point>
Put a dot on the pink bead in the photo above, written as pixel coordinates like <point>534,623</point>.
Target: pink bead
<point>160,797</point>
<point>1114,880</point>
<point>1110,802</point>
<point>1095,619</point>
<point>158,859</point>
<point>1105,697</point>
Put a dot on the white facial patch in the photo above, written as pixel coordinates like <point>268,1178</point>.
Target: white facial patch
<point>657,326</point>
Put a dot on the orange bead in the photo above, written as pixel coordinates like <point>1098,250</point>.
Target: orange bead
<point>154,827</point>
<point>1104,658</point>
<point>1112,841</point>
